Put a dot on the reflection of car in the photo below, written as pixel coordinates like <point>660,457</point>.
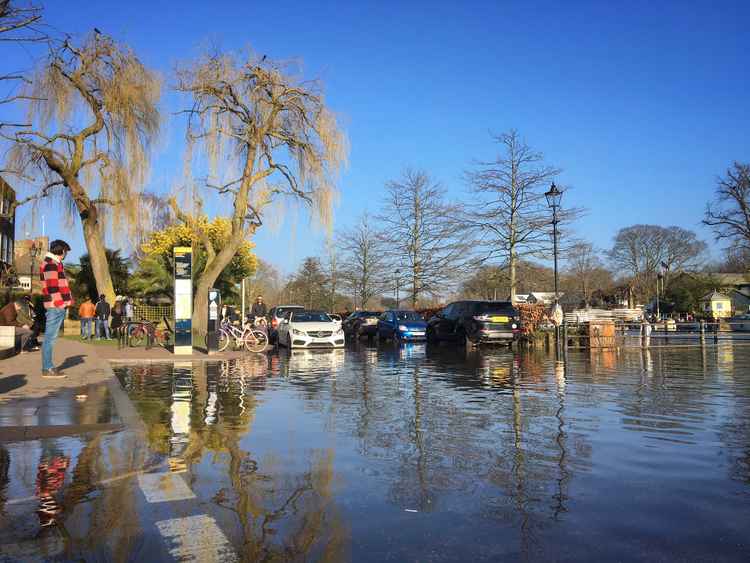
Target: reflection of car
<point>401,325</point>
<point>361,323</point>
<point>475,322</point>
<point>311,362</point>
<point>310,329</point>
<point>276,314</point>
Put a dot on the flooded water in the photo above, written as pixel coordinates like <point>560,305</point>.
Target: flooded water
<point>405,454</point>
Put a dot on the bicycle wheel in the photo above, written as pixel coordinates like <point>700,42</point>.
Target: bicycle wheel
<point>137,336</point>
<point>223,341</point>
<point>255,341</point>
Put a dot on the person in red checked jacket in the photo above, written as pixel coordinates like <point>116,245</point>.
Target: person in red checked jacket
<point>57,299</point>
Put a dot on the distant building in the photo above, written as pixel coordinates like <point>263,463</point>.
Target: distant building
<point>716,305</point>
<point>27,269</point>
<point>7,225</point>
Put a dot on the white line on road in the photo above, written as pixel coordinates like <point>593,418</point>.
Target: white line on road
<point>164,487</point>
<point>196,538</point>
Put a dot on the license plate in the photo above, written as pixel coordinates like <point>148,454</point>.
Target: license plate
<point>417,333</point>
<point>499,319</point>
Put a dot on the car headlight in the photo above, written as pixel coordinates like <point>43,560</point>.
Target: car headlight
<point>402,328</point>
<point>340,331</point>
<point>298,332</point>
<point>514,325</point>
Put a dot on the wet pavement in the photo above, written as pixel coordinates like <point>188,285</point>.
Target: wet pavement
<point>399,453</point>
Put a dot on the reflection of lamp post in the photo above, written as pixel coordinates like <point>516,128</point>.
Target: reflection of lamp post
<point>659,280</point>
<point>553,200</point>
<point>398,301</point>
<point>33,253</point>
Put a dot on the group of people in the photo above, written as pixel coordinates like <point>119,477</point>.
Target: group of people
<point>101,320</point>
<point>257,312</point>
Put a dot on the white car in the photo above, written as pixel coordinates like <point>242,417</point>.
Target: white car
<point>310,329</point>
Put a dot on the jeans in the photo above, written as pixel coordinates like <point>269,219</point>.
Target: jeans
<point>86,327</point>
<point>102,327</point>
<point>55,318</point>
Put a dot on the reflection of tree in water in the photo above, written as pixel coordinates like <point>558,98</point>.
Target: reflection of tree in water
<point>488,429</point>
<point>280,515</point>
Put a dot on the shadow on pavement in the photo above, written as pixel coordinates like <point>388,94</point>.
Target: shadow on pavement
<point>72,361</point>
<point>12,382</point>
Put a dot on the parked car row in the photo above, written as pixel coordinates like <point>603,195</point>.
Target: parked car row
<point>467,322</point>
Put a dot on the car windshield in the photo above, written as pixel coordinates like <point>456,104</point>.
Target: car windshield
<point>310,317</point>
<point>369,314</point>
<point>496,307</point>
<point>408,316</point>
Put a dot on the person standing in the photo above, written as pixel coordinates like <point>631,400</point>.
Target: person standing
<point>129,310</point>
<point>102,312</point>
<point>86,313</point>
<point>13,314</point>
<point>259,309</point>
<point>57,299</point>
<point>117,314</point>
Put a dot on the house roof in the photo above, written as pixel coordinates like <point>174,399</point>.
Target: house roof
<point>715,296</point>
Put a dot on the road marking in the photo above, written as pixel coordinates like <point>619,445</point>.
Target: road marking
<point>196,538</point>
<point>164,487</point>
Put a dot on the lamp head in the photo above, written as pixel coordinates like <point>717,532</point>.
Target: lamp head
<point>553,196</point>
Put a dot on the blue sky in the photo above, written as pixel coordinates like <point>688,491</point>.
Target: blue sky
<point>642,104</point>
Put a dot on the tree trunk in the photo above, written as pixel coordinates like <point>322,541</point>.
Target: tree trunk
<point>512,276</point>
<point>94,239</point>
<point>206,281</point>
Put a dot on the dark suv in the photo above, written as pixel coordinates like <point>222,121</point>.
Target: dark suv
<point>361,323</point>
<point>475,322</point>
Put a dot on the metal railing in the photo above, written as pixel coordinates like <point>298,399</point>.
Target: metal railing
<point>664,333</point>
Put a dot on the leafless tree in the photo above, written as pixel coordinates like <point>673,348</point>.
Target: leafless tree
<point>363,261</point>
<point>421,235</point>
<point>332,268</point>
<point>93,116</point>
<point>508,212</point>
<point>730,215</point>
<point>586,271</point>
<point>640,252</point>
<point>265,134</point>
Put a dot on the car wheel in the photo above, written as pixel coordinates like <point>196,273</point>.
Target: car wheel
<point>470,344</point>
<point>431,335</point>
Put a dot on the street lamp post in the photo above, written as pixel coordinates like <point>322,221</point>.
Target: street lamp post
<point>33,253</point>
<point>553,197</point>
<point>398,300</point>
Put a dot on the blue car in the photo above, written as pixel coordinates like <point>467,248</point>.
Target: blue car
<point>401,325</point>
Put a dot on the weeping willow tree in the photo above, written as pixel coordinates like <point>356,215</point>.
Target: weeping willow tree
<point>264,135</point>
<point>92,117</point>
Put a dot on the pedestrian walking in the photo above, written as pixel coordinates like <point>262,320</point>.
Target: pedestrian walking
<point>57,299</point>
<point>14,314</point>
<point>86,313</point>
<point>102,312</point>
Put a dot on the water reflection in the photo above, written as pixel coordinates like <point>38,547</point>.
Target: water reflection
<point>419,452</point>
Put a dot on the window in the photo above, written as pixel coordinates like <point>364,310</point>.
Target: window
<point>719,306</point>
